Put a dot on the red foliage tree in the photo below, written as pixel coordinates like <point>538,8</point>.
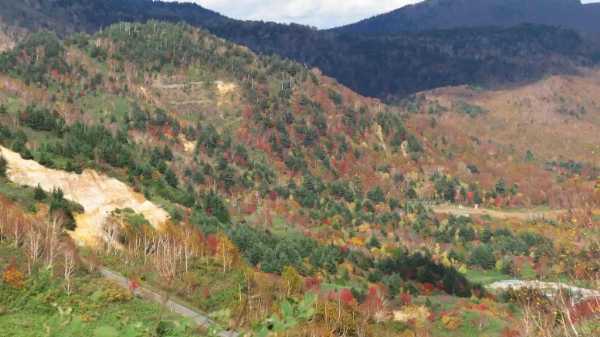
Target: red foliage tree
<point>312,283</point>
<point>507,332</point>
<point>373,301</point>
<point>133,285</point>
<point>273,195</point>
<point>213,244</point>
<point>346,296</point>
<point>428,288</point>
<point>470,197</point>
<point>405,298</point>
<point>498,202</point>
<point>585,309</point>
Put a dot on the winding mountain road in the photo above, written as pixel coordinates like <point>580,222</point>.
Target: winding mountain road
<point>175,307</point>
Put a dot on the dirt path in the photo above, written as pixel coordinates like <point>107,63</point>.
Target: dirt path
<point>173,306</point>
<point>98,194</point>
<point>520,215</point>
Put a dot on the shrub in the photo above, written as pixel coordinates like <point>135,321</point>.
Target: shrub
<point>483,256</point>
<point>13,277</point>
<point>420,267</point>
<point>38,193</point>
<point>215,206</point>
<point>451,322</point>
<point>335,97</point>
<point>3,166</point>
<point>469,109</point>
<point>376,195</point>
<point>293,280</point>
<point>41,119</point>
<point>373,242</point>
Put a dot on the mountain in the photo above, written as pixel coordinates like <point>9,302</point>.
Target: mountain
<point>395,66</point>
<point>447,14</point>
<point>294,203</point>
<point>69,16</point>
<point>384,66</point>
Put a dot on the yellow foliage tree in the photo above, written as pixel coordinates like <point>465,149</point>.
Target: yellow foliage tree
<point>292,279</point>
<point>227,252</point>
<point>451,322</point>
<point>357,241</point>
<point>13,277</point>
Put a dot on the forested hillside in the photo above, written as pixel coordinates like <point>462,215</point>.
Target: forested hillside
<point>394,66</point>
<point>447,14</point>
<point>388,66</point>
<point>280,182</point>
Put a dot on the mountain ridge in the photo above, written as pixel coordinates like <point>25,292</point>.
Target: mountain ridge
<point>448,14</point>
<point>388,66</point>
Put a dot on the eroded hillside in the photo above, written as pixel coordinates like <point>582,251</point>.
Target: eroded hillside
<point>98,194</point>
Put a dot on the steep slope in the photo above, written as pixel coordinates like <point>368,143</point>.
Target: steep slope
<point>446,14</point>
<point>384,66</point>
<point>243,123</point>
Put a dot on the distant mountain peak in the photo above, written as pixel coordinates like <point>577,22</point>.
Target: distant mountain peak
<point>447,14</point>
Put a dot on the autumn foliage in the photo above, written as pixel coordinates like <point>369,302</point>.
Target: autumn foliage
<point>13,277</point>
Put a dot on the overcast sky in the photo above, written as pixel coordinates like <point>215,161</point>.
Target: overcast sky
<point>319,13</point>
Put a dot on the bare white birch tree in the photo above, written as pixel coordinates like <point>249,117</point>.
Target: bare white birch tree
<point>52,232</point>
<point>69,268</point>
<point>34,248</point>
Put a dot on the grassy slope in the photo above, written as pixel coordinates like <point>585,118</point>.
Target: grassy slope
<point>95,307</point>
<point>555,119</point>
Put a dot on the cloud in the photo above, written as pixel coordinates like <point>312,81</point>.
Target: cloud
<point>319,13</point>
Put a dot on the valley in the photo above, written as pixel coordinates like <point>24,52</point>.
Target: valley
<point>162,179</point>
